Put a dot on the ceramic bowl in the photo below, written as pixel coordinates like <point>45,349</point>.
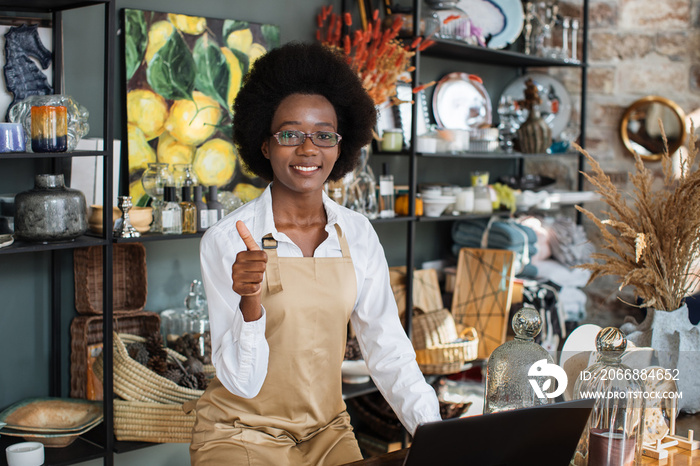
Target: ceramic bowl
<point>141,218</point>
<point>95,217</point>
<point>355,371</point>
<point>435,206</point>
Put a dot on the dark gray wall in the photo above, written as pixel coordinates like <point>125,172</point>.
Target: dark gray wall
<point>24,278</point>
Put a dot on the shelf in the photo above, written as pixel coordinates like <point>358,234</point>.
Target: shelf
<point>397,219</point>
<point>80,242</point>
<point>52,155</point>
<point>450,218</point>
<point>77,452</point>
<point>49,6</point>
<point>495,155</point>
<point>351,390</point>
<point>154,237</point>
<point>460,51</point>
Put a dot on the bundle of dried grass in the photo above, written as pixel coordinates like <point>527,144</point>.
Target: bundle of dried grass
<point>651,236</point>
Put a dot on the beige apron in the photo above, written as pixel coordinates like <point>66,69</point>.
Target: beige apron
<point>299,416</point>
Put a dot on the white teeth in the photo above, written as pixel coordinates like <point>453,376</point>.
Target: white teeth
<point>305,169</point>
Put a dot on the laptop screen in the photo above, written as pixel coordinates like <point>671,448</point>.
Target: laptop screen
<point>539,436</point>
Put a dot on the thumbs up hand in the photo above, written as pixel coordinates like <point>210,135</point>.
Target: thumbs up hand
<point>247,274</point>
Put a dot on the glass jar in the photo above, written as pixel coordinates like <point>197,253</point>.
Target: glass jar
<point>446,20</point>
<point>362,188</point>
<point>184,177</point>
<point>392,140</point>
<point>154,180</point>
<point>482,193</point>
<point>508,369</point>
<point>614,433</point>
<point>198,318</point>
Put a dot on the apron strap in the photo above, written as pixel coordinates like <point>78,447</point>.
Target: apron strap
<point>274,281</point>
<point>345,249</point>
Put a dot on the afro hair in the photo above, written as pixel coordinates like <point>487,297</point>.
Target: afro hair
<point>301,68</point>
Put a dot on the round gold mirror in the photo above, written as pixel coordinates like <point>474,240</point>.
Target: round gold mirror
<point>641,132</point>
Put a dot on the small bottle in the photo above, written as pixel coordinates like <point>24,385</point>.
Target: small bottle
<point>172,214</point>
<point>202,212</point>
<point>214,207</point>
<point>189,212</point>
<point>386,193</point>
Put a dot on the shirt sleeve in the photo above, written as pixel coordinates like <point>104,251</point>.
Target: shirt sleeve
<point>385,346</point>
<point>239,349</point>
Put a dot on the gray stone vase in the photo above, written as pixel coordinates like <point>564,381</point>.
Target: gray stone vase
<point>50,212</point>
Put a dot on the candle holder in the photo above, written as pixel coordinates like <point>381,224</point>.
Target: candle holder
<point>123,227</point>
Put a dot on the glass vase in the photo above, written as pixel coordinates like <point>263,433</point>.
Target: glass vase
<point>362,189</point>
<point>184,177</point>
<point>446,20</point>
<point>156,177</point>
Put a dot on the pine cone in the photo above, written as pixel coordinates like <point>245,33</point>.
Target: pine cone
<point>194,366</point>
<point>174,374</point>
<point>189,381</point>
<point>138,352</point>
<point>202,380</point>
<point>157,356</point>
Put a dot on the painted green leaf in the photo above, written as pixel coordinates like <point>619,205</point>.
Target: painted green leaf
<point>171,71</point>
<point>243,59</point>
<point>135,40</point>
<point>231,25</point>
<point>212,76</point>
<point>271,33</point>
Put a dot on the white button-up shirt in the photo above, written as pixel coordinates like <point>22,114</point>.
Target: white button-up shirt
<point>239,349</point>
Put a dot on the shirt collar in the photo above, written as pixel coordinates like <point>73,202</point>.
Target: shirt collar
<point>265,222</point>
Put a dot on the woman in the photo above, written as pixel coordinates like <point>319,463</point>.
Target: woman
<point>284,274</point>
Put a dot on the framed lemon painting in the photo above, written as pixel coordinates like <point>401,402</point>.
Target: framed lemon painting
<point>182,74</point>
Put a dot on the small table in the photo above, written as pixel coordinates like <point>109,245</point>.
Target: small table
<point>676,456</point>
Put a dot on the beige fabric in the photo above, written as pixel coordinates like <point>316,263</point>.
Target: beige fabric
<point>299,417</point>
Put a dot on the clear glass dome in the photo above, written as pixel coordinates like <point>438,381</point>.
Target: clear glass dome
<point>445,20</point>
<point>614,433</point>
<point>507,371</point>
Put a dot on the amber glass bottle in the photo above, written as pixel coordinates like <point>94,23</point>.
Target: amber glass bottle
<point>189,212</point>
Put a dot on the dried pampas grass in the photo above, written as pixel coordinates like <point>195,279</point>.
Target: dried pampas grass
<point>651,238</point>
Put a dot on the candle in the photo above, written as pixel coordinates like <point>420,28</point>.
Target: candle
<point>392,140</point>
<point>25,454</point>
<point>11,137</point>
<point>49,129</point>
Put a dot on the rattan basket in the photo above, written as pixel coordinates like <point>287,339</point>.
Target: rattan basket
<point>129,278</point>
<point>86,333</point>
<point>135,382</point>
<point>152,422</point>
<point>439,349</point>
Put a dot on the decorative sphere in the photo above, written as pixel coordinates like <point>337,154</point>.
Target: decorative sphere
<point>611,340</point>
<point>527,322</point>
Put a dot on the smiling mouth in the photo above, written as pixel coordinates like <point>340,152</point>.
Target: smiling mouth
<point>304,168</point>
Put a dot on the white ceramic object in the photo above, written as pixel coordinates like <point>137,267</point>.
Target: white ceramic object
<point>25,454</point>
<point>355,371</point>
<point>435,206</point>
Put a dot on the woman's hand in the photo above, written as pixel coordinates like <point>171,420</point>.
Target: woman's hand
<point>247,274</point>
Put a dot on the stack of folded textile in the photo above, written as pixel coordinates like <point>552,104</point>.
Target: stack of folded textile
<point>498,234</point>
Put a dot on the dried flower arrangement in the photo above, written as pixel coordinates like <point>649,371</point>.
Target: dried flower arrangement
<point>653,243</point>
<point>381,60</point>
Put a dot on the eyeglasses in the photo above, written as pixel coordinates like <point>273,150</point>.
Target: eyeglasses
<point>297,138</point>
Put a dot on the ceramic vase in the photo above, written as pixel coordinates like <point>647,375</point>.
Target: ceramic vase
<point>676,342</point>
<point>534,135</point>
<point>50,212</point>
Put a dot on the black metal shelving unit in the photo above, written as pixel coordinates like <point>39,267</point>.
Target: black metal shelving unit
<point>98,443</point>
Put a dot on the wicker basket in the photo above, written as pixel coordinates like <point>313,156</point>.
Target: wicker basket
<point>86,333</point>
<point>152,422</point>
<point>439,349</point>
<point>129,278</point>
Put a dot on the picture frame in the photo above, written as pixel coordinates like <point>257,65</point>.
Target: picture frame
<point>181,76</point>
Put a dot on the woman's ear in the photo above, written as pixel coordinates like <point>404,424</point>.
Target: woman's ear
<point>265,148</point>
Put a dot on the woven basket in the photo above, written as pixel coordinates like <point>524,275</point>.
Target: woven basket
<point>129,278</point>
<point>86,331</point>
<point>135,382</point>
<point>152,422</point>
<point>439,349</point>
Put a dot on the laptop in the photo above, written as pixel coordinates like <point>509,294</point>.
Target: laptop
<point>541,436</point>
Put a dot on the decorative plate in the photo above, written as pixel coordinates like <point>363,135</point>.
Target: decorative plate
<point>6,240</point>
<point>52,415</point>
<point>50,439</point>
<point>355,371</point>
<point>556,100</point>
<point>486,15</point>
<point>515,18</point>
<point>460,101</point>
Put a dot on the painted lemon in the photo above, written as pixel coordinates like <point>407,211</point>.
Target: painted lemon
<point>236,75</point>
<point>256,51</point>
<point>193,122</point>
<point>137,193</point>
<point>241,40</point>
<point>247,192</point>
<point>148,111</point>
<point>140,152</point>
<point>158,35</point>
<point>171,151</point>
<point>215,162</point>
<point>188,24</point>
